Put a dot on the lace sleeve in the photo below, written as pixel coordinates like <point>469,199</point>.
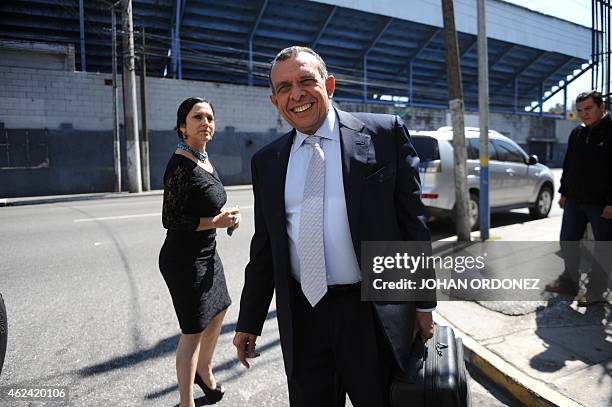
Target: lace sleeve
<point>177,185</point>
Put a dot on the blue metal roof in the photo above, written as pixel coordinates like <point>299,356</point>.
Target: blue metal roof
<point>219,39</point>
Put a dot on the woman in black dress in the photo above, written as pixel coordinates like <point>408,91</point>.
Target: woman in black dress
<point>192,211</point>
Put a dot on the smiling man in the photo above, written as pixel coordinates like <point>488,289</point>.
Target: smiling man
<point>302,89</point>
<point>335,180</point>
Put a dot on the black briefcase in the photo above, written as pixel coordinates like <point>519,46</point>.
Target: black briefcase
<point>436,375</point>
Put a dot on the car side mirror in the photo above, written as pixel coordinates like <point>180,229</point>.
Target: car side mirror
<point>533,159</point>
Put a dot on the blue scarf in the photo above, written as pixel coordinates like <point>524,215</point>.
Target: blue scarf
<point>200,156</point>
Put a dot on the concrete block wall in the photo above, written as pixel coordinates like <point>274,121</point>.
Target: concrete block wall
<point>563,128</point>
<point>36,98</point>
<point>242,107</point>
<point>73,106</point>
<point>75,109</point>
<point>415,118</point>
<point>522,128</point>
<point>84,100</point>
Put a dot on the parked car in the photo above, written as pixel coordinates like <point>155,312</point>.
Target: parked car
<point>516,180</point>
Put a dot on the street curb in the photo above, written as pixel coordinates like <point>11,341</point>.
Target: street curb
<point>87,197</point>
<point>239,187</point>
<point>524,388</point>
<point>73,198</point>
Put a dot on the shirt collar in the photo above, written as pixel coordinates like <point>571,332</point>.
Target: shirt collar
<point>325,131</point>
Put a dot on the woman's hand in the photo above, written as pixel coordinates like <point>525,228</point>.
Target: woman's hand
<point>227,219</point>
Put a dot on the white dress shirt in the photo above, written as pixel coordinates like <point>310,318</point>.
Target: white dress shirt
<point>340,259</point>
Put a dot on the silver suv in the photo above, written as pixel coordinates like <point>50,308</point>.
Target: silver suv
<point>516,180</point>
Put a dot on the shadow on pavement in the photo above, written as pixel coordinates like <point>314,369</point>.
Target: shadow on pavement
<point>200,401</point>
<point>119,246</point>
<point>570,335</point>
<point>444,228</point>
<point>162,348</point>
<point>227,365</point>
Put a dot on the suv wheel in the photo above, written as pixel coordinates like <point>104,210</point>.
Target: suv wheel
<point>543,203</point>
<point>474,211</point>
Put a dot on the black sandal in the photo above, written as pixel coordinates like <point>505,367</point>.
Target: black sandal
<point>212,395</point>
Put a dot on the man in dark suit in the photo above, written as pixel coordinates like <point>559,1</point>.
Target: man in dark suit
<point>335,180</point>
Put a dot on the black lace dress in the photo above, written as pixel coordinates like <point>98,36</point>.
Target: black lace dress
<point>188,260</point>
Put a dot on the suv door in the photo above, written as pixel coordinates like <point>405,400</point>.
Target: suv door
<point>496,190</point>
<point>515,172</point>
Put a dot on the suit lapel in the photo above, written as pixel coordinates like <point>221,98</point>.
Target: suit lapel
<point>355,147</point>
<point>276,176</point>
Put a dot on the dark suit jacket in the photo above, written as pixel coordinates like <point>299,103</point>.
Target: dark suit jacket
<point>382,192</point>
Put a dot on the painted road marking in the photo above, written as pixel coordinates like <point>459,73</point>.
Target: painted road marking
<point>141,215</point>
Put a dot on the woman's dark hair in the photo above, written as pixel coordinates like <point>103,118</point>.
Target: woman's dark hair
<point>185,108</point>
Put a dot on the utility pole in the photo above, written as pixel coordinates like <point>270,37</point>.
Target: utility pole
<point>455,103</point>
<point>146,178</point>
<point>117,143</point>
<point>129,98</point>
<point>82,35</point>
<point>483,111</point>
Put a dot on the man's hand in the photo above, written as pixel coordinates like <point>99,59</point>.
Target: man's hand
<point>562,201</point>
<point>423,323</point>
<point>245,347</point>
<point>607,212</point>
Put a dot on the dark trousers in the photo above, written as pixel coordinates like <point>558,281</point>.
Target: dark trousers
<point>339,348</point>
<point>576,216</point>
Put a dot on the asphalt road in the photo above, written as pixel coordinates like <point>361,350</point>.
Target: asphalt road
<point>88,309</point>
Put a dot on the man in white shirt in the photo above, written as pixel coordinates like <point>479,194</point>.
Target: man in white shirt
<point>335,180</point>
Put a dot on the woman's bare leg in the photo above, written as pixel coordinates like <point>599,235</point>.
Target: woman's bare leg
<point>208,341</point>
<point>186,363</point>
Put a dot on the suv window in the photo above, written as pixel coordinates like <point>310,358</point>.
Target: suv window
<point>473,149</point>
<point>508,152</point>
<point>426,147</point>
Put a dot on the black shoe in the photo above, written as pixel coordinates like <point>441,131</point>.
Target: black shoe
<point>562,286</point>
<point>589,302</point>
<point>212,395</point>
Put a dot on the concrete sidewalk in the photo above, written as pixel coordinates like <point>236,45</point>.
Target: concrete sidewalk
<point>545,353</point>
